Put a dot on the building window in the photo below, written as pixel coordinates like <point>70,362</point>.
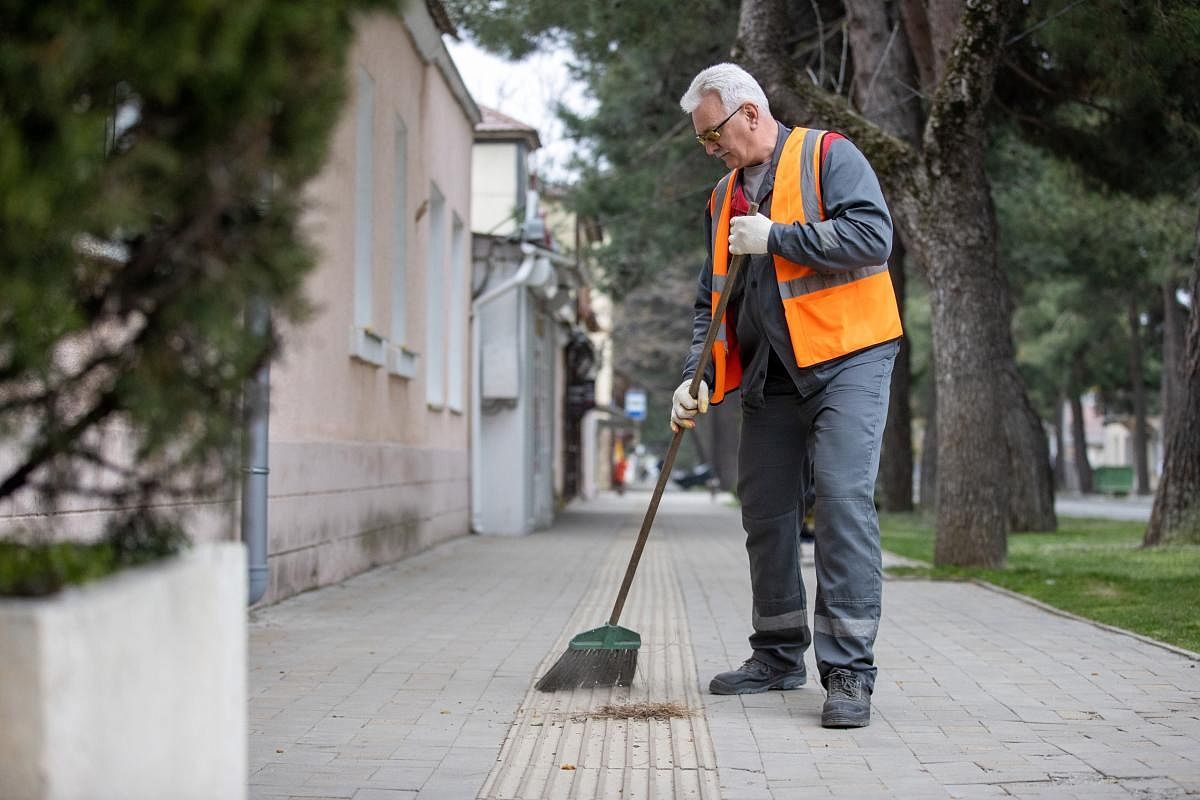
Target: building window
<point>366,341</point>
<point>435,303</point>
<point>455,316</point>
<point>403,362</point>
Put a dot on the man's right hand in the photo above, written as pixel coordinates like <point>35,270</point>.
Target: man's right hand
<point>684,407</point>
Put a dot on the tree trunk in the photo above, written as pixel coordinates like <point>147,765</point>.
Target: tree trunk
<point>1060,444</point>
<point>1173,378</point>
<point>1176,514</point>
<point>931,26</point>
<point>970,304</point>
<point>944,195</point>
<point>875,28</point>
<point>1137,381</point>
<point>1031,493</point>
<point>1030,475</point>
<point>970,336</point>
<point>1083,468</point>
<point>884,73</point>
<point>928,486</point>
<point>896,458</point>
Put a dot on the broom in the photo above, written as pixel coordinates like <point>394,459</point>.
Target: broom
<point>607,656</point>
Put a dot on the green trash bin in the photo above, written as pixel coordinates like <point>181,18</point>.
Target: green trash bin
<point>1113,480</point>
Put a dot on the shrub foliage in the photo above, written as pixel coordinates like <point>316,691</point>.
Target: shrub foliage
<point>153,157</point>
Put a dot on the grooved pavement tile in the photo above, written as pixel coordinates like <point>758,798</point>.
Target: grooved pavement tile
<point>558,747</point>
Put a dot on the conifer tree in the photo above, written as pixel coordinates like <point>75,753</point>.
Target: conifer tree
<point>1115,87</point>
<point>153,158</point>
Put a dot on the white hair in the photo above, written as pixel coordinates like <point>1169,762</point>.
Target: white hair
<point>731,83</point>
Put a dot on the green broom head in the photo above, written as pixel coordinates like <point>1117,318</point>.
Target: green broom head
<point>604,656</point>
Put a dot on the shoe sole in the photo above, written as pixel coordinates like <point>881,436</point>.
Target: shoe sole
<point>839,721</point>
<point>784,684</point>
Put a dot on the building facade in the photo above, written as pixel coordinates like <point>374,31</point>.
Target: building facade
<point>536,364</point>
<point>440,384</point>
<point>369,427</point>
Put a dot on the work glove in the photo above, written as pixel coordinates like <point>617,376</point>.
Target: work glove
<point>684,408</point>
<point>748,234</point>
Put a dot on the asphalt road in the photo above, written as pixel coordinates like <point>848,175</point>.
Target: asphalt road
<point>1131,508</point>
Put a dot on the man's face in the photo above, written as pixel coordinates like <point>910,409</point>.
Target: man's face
<point>733,144</point>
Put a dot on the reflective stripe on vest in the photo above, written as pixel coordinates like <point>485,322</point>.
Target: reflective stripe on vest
<point>727,364</point>
<point>828,315</point>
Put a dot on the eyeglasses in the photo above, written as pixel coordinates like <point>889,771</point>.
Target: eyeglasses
<point>714,133</point>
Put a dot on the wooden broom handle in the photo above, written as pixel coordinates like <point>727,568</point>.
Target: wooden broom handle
<point>735,267</point>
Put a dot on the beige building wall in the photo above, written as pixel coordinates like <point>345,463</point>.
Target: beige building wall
<point>364,469</point>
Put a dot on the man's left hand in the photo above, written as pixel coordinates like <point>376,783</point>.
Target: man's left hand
<point>748,235</point>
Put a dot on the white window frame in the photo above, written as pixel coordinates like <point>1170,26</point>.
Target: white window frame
<point>402,361</point>
<point>366,342</point>
<point>435,303</point>
<point>455,316</point>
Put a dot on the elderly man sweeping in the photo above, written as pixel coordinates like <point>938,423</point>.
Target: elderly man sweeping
<point>809,336</point>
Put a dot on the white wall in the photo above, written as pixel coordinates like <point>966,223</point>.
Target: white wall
<point>129,688</point>
<point>495,196</point>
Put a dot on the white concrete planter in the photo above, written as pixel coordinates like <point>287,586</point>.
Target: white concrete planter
<point>132,687</point>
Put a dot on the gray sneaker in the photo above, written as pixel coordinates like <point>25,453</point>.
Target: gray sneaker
<point>848,704</point>
<point>754,676</point>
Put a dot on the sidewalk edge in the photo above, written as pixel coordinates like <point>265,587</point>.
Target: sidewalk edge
<point>1180,651</point>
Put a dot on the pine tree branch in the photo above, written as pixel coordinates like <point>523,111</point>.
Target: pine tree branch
<point>50,446</point>
<point>158,296</point>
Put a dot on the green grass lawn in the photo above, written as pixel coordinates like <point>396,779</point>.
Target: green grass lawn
<point>1093,568</point>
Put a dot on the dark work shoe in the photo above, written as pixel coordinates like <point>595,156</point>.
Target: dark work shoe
<point>848,704</point>
<point>754,676</point>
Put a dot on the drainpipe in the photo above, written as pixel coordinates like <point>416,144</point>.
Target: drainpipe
<point>255,416</point>
<point>517,280</point>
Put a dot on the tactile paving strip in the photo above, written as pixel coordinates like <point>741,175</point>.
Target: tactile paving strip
<point>557,749</point>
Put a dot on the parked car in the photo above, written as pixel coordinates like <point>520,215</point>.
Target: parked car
<point>698,475</point>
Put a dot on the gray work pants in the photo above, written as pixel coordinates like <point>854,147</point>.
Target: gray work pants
<point>839,420</point>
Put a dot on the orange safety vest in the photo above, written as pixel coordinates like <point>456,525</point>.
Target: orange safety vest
<point>828,314</point>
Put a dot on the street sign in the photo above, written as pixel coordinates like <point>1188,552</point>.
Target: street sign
<point>635,404</point>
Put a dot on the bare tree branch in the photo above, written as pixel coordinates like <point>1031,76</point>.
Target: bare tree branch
<point>879,67</point>
<point>844,59</point>
<point>797,101</point>
<point>957,112</point>
<point>49,446</point>
<point>821,38</point>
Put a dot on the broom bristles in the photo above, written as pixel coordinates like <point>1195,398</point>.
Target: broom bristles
<point>590,668</point>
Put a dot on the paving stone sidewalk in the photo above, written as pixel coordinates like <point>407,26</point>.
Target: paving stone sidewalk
<point>414,681</point>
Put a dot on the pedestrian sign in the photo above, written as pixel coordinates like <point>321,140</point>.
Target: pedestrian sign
<point>635,404</point>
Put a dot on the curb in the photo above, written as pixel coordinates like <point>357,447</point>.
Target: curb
<point>1024,598</point>
<point>1179,651</point>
